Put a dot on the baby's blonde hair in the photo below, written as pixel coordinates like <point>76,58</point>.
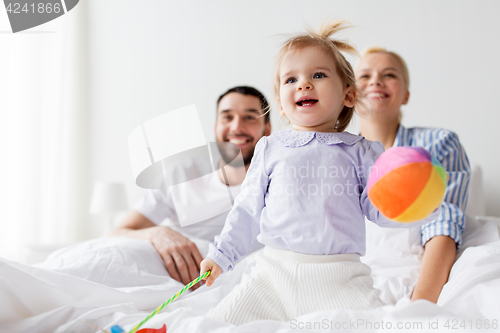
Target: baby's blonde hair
<point>333,47</point>
<point>399,59</point>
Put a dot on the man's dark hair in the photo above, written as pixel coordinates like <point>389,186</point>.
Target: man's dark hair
<point>245,90</point>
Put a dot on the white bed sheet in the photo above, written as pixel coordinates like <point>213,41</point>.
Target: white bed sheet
<point>109,281</point>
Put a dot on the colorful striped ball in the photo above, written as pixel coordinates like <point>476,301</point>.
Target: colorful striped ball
<point>406,184</point>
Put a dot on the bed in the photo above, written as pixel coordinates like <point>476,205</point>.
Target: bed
<point>95,284</point>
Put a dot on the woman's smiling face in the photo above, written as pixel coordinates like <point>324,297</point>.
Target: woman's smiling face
<point>380,77</point>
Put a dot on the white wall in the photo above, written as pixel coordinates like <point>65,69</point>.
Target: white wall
<point>150,56</point>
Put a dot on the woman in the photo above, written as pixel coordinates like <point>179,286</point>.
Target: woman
<point>383,78</point>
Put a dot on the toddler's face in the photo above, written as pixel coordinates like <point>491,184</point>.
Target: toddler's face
<point>312,94</point>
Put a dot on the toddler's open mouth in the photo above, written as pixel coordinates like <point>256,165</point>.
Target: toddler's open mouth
<point>307,102</point>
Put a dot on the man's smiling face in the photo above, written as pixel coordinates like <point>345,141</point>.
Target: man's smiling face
<point>239,122</point>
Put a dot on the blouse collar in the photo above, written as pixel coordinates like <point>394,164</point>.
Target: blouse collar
<point>292,138</point>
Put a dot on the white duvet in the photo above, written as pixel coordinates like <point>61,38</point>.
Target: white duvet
<point>103,282</point>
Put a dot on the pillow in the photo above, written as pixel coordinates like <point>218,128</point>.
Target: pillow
<point>476,205</point>
<point>113,261</point>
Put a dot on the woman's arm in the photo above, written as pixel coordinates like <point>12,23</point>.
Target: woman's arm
<point>446,148</point>
<point>439,256</point>
<point>443,236</point>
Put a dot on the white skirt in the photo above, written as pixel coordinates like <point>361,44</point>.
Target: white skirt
<point>284,285</point>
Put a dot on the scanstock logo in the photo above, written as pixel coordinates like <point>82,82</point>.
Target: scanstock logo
<point>26,14</point>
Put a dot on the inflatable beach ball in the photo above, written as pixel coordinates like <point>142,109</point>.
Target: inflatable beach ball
<point>406,184</point>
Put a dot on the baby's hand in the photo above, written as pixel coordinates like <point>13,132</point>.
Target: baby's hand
<point>209,265</point>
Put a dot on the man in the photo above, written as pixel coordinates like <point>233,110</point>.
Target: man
<point>242,119</point>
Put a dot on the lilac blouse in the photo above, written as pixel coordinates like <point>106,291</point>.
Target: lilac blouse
<point>304,192</point>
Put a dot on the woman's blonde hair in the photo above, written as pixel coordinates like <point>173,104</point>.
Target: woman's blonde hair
<point>399,59</point>
<point>333,47</point>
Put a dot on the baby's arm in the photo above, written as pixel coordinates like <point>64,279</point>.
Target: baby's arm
<point>374,215</point>
<point>209,265</point>
<point>243,221</point>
